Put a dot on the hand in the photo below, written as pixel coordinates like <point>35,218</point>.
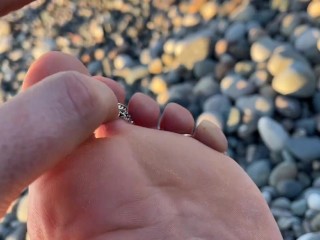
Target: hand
<point>45,123</point>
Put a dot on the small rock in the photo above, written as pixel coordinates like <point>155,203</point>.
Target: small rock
<point>145,56</point>
<point>155,66</point>
<point>260,78</point>
<point>299,207</point>
<point>289,188</point>
<point>131,75</point>
<point>306,124</point>
<point>192,50</point>
<point>283,171</point>
<point>22,209</point>
<point>209,10</point>
<point>169,46</point>
<point>316,102</point>
<point>314,201</point>
<point>221,47</point>
<point>94,67</point>
<point>289,23</point>
<point>255,104</point>
<point>123,61</point>
<point>158,85</point>
<point>262,49</point>
<point>298,80</point>
<point>259,172</point>
<point>5,44</point>
<point>235,86</point>
<point>235,32</point>
<point>5,28</point>
<point>244,68</point>
<point>307,42</point>
<point>190,20</point>
<point>19,233</point>
<point>281,202</point>
<point>244,12</point>
<point>218,103</point>
<point>285,223</point>
<point>282,58</point>
<point>288,107</point>
<point>310,236</point>
<point>315,223</point>
<point>233,120</point>
<point>206,87</point>
<point>314,9</point>
<point>204,68</point>
<point>272,134</point>
<point>304,148</point>
<point>281,5</point>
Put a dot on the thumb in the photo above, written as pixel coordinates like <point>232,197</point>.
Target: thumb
<point>47,122</point>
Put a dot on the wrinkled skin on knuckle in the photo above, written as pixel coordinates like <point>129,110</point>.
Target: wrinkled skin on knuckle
<point>80,96</point>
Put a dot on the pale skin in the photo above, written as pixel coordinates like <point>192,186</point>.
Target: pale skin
<point>95,177</point>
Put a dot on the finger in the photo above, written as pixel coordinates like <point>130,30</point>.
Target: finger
<point>7,6</point>
<point>51,63</point>
<point>47,122</point>
<point>54,62</point>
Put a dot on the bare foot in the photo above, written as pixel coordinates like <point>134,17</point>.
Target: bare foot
<point>139,182</point>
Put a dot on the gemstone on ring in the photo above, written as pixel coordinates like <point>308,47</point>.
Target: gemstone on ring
<point>123,113</point>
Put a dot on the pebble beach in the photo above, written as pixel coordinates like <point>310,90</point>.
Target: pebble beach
<point>250,66</point>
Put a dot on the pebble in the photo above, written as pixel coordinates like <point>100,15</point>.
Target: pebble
<point>22,209</point>
<point>244,12</point>
<point>131,75</point>
<point>281,202</point>
<point>123,61</point>
<point>282,171</point>
<point>272,134</point>
<point>282,58</point>
<point>203,68</point>
<point>307,44</point>
<point>255,104</point>
<point>315,223</point>
<point>306,124</point>
<point>288,107</point>
<point>314,9</point>
<point>244,68</point>
<point>316,102</point>
<point>310,236</point>
<point>207,86</point>
<point>314,201</point>
<point>233,120</point>
<point>236,31</point>
<point>299,207</point>
<point>155,66</point>
<point>209,10</point>
<point>19,233</point>
<point>298,81</point>
<point>262,49</point>
<point>289,188</point>
<point>5,28</point>
<point>192,50</point>
<point>305,149</point>
<point>260,78</point>
<point>289,23</point>
<point>218,103</point>
<point>259,171</point>
<point>234,86</point>
<point>286,223</point>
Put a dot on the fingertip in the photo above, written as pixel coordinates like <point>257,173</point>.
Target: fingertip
<point>51,63</point>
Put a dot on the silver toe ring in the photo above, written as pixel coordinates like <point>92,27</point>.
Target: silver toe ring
<point>123,113</point>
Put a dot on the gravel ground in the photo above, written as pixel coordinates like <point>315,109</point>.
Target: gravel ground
<point>252,67</point>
